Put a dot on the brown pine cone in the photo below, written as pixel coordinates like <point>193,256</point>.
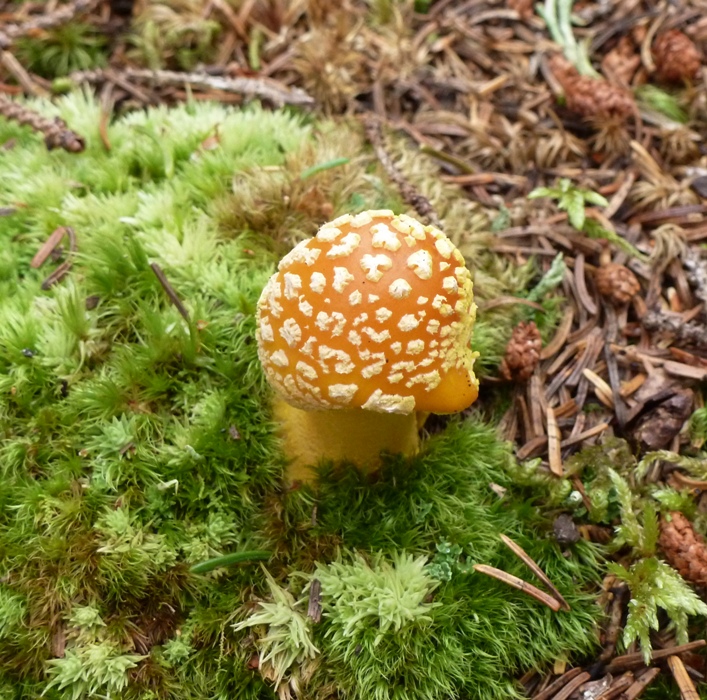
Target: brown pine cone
<point>522,352</point>
<point>617,283</point>
<point>684,549</point>
<point>676,57</point>
<point>591,97</point>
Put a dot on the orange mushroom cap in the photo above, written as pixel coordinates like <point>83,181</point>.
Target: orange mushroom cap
<point>375,312</point>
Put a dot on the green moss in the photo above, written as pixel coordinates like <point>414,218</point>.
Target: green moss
<point>135,443</point>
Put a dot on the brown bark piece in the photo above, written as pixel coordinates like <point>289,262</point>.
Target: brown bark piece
<point>684,549</point>
<point>659,426</point>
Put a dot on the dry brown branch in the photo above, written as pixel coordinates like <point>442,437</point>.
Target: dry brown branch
<point>636,689</point>
<point>50,247</point>
<point>690,333</point>
<point>314,608</point>
<point>636,660</point>
<point>417,201</point>
<point>262,88</point>
<point>48,20</point>
<point>56,133</point>
<point>618,686</point>
<point>553,443</point>
<point>557,684</point>
<point>569,689</point>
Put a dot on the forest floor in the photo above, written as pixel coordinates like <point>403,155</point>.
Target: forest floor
<point>572,137</point>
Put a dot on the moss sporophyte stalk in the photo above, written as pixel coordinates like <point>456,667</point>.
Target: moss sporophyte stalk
<point>142,478</point>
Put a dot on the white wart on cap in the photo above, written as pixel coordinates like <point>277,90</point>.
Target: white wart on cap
<point>374,312</point>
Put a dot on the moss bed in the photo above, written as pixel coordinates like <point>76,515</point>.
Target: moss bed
<point>136,443</point>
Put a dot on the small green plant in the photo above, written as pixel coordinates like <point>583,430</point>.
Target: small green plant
<point>174,32</point>
<point>558,17</point>
<point>574,201</point>
<point>383,632</point>
<point>698,426</point>
<point>92,670</point>
<point>662,102</point>
<point>446,563</point>
<point>12,612</point>
<point>382,597</point>
<point>287,644</point>
<point>571,199</point>
<point>653,583</point>
<point>58,52</point>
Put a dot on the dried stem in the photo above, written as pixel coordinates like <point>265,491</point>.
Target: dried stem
<point>56,133</point>
<point>50,246</point>
<point>683,680</point>
<point>633,660</point>
<point>62,15</point>
<point>417,201</point>
<point>264,88</point>
<point>696,273</point>
<point>689,333</point>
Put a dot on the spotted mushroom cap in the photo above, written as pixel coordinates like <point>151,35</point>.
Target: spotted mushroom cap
<point>374,312</point>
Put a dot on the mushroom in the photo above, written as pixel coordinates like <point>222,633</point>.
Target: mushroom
<point>362,330</point>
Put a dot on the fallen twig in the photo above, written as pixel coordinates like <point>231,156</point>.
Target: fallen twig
<point>634,660</point>
<point>690,333</point>
<point>640,684</point>
<point>56,133</point>
<point>48,20</point>
<point>557,684</point>
<point>49,247</point>
<point>417,201</point>
<point>572,686</point>
<point>265,88</point>
<point>617,687</point>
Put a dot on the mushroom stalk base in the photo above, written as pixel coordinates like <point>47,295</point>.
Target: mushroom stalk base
<point>353,435</point>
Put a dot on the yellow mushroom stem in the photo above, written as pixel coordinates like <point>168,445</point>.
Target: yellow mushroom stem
<point>354,435</point>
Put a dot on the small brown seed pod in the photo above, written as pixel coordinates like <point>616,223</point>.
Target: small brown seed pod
<point>617,283</point>
<point>676,57</point>
<point>684,549</point>
<point>522,352</point>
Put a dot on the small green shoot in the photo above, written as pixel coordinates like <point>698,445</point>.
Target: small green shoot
<point>229,559</point>
<point>571,199</point>
<point>550,280</point>
<point>558,17</point>
<point>288,640</point>
<point>653,583</point>
<point>321,167</point>
<point>446,563</point>
<point>574,200</point>
<point>661,101</point>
